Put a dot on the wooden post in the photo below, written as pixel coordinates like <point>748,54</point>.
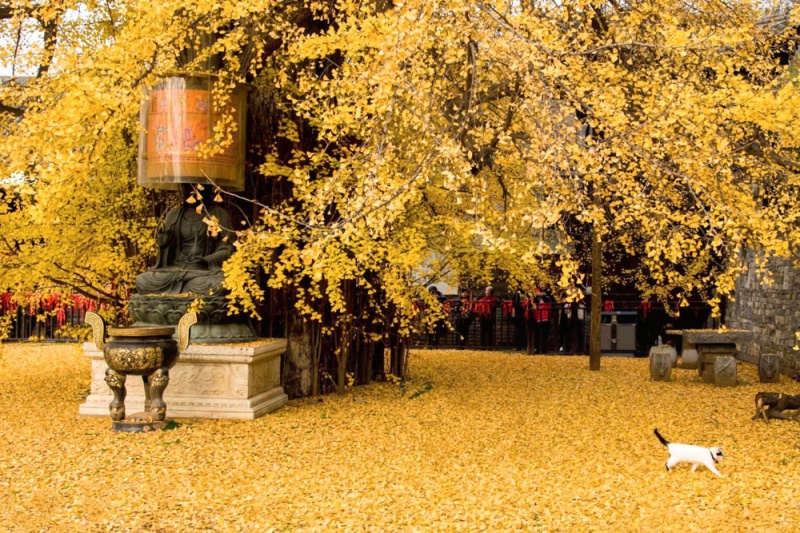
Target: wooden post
<point>597,299</point>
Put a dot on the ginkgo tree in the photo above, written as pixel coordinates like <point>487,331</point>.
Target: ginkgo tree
<point>460,135</point>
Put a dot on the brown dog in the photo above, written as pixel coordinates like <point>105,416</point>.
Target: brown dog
<point>772,404</point>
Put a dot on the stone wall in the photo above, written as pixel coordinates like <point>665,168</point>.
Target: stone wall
<point>771,312</point>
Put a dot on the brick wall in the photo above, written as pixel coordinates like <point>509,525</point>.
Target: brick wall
<point>771,312</point>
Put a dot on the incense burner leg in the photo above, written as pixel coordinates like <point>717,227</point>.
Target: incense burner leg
<point>158,382</point>
<point>147,399</point>
<point>116,382</point>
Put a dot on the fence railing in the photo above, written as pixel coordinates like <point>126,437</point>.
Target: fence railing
<point>45,317</point>
<point>505,328</point>
<point>55,318</point>
<point>510,331</point>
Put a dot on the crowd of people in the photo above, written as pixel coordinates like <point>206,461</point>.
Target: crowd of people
<point>537,320</point>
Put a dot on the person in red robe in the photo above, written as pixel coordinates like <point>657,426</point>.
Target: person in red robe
<point>486,308</point>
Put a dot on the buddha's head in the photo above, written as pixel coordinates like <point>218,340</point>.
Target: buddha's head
<point>205,191</point>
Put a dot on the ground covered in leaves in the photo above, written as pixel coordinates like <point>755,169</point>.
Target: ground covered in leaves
<point>475,441</point>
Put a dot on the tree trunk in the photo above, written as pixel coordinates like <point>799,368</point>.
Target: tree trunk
<point>378,364</point>
<point>299,371</point>
<point>345,341</point>
<point>397,357</point>
<point>773,404</point>
<point>344,355</point>
<point>597,299</point>
<point>316,355</point>
<point>364,361</point>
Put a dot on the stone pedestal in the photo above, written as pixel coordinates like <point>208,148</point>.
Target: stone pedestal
<point>708,355</point>
<point>208,381</point>
<point>725,371</point>
<point>769,368</point>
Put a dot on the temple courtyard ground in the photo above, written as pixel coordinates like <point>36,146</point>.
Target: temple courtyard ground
<point>474,441</point>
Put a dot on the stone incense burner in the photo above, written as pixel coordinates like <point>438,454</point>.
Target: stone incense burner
<point>147,351</point>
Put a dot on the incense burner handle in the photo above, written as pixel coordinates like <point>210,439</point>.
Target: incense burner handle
<point>186,322</point>
<point>98,329</point>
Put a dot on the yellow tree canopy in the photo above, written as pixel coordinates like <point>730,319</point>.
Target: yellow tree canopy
<point>461,135</point>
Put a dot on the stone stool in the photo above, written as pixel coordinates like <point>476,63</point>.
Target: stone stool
<point>725,371</point>
<point>690,358</point>
<point>769,368</point>
<point>661,362</point>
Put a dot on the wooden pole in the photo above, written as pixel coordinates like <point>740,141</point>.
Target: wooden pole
<point>597,299</point>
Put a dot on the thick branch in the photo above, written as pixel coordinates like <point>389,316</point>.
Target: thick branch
<point>13,111</point>
<point>756,149</point>
<point>85,281</point>
<point>6,11</point>
<point>78,289</point>
<point>50,28</point>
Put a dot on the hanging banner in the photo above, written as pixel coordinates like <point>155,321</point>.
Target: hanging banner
<point>178,116</point>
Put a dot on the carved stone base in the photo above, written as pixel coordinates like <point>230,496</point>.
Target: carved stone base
<point>208,381</point>
<point>214,325</point>
<point>220,333</point>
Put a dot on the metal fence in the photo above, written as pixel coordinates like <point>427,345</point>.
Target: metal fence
<point>53,318</point>
<point>511,332</point>
<point>45,318</point>
<point>448,333</point>
<point>38,326</point>
<point>504,329</point>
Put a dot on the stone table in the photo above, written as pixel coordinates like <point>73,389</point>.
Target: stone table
<point>712,344</point>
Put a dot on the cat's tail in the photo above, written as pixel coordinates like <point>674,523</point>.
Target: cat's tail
<point>660,438</point>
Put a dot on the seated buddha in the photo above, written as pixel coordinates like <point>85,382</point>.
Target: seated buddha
<point>189,257</point>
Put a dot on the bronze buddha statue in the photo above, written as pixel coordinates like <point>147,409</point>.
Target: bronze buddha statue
<point>189,257</point>
<point>188,268</point>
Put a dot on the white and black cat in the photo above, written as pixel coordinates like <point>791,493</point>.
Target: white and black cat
<point>696,455</point>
